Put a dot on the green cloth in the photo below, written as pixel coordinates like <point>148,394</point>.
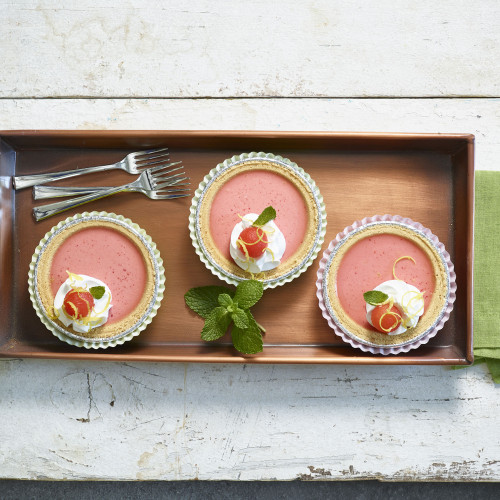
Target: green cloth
<point>487,271</point>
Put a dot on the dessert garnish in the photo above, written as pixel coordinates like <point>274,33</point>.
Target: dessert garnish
<point>257,244</point>
<point>397,260</point>
<point>386,318</point>
<point>78,303</point>
<point>267,215</point>
<point>82,302</point>
<point>220,306</point>
<point>252,241</point>
<point>394,306</point>
<point>375,297</point>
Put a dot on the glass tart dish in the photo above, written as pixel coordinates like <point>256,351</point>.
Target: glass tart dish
<point>382,253</point>
<point>104,249</point>
<point>247,184</point>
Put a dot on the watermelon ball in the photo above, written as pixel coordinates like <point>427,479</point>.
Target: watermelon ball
<point>255,241</point>
<point>387,323</point>
<point>78,303</point>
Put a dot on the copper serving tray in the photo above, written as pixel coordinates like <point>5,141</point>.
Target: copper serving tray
<point>427,177</point>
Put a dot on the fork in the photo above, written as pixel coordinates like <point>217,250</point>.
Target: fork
<point>152,182</point>
<point>45,192</point>
<point>133,163</point>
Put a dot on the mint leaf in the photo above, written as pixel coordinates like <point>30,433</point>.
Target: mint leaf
<point>267,215</point>
<point>203,299</point>
<point>240,318</point>
<point>375,298</point>
<point>248,340</point>
<point>252,321</point>
<point>248,293</point>
<point>225,300</point>
<point>216,324</point>
<point>97,291</point>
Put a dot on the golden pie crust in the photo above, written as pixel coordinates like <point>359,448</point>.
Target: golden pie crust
<point>44,281</point>
<point>294,260</point>
<point>430,316</point>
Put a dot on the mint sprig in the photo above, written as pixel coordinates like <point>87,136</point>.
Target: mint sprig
<point>216,324</point>
<point>247,340</point>
<point>97,291</point>
<point>248,293</point>
<point>221,307</point>
<point>203,299</point>
<point>375,298</point>
<point>267,215</point>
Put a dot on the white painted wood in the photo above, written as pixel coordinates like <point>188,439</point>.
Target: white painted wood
<point>198,48</point>
<point>75,420</point>
<point>136,421</point>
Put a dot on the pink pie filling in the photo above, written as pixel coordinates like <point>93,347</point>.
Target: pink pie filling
<point>251,192</point>
<point>369,262</point>
<point>107,255</point>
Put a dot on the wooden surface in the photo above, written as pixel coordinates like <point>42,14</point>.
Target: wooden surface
<point>236,48</point>
<point>138,65</point>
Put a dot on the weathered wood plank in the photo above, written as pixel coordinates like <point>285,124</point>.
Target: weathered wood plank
<point>237,48</point>
<point>69,420</point>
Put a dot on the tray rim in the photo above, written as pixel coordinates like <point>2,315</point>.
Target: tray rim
<point>468,140</point>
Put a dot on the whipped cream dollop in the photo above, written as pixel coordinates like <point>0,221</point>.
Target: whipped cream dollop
<point>99,313</point>
<point>271,257</point>
<point>408,300</point>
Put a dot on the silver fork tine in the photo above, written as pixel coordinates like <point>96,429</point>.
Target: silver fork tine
<point>152,157</point>
<point>166,167</point>
<point>147,166</point>
<point>179,182</point>
<point>153,161</point>
<point>172,189</point>
<point>171,178</point>
<point>168,183</point>
<point>148,152</point>
<point>169,196</point>
<point>156,180</point>
<point>169,168</point>
<point>171,184</point>
<point>157,174</point>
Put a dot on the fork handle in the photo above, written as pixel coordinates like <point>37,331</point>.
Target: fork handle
<point>45,211</point>
<point>24,181</point>
<point>44,192</point>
